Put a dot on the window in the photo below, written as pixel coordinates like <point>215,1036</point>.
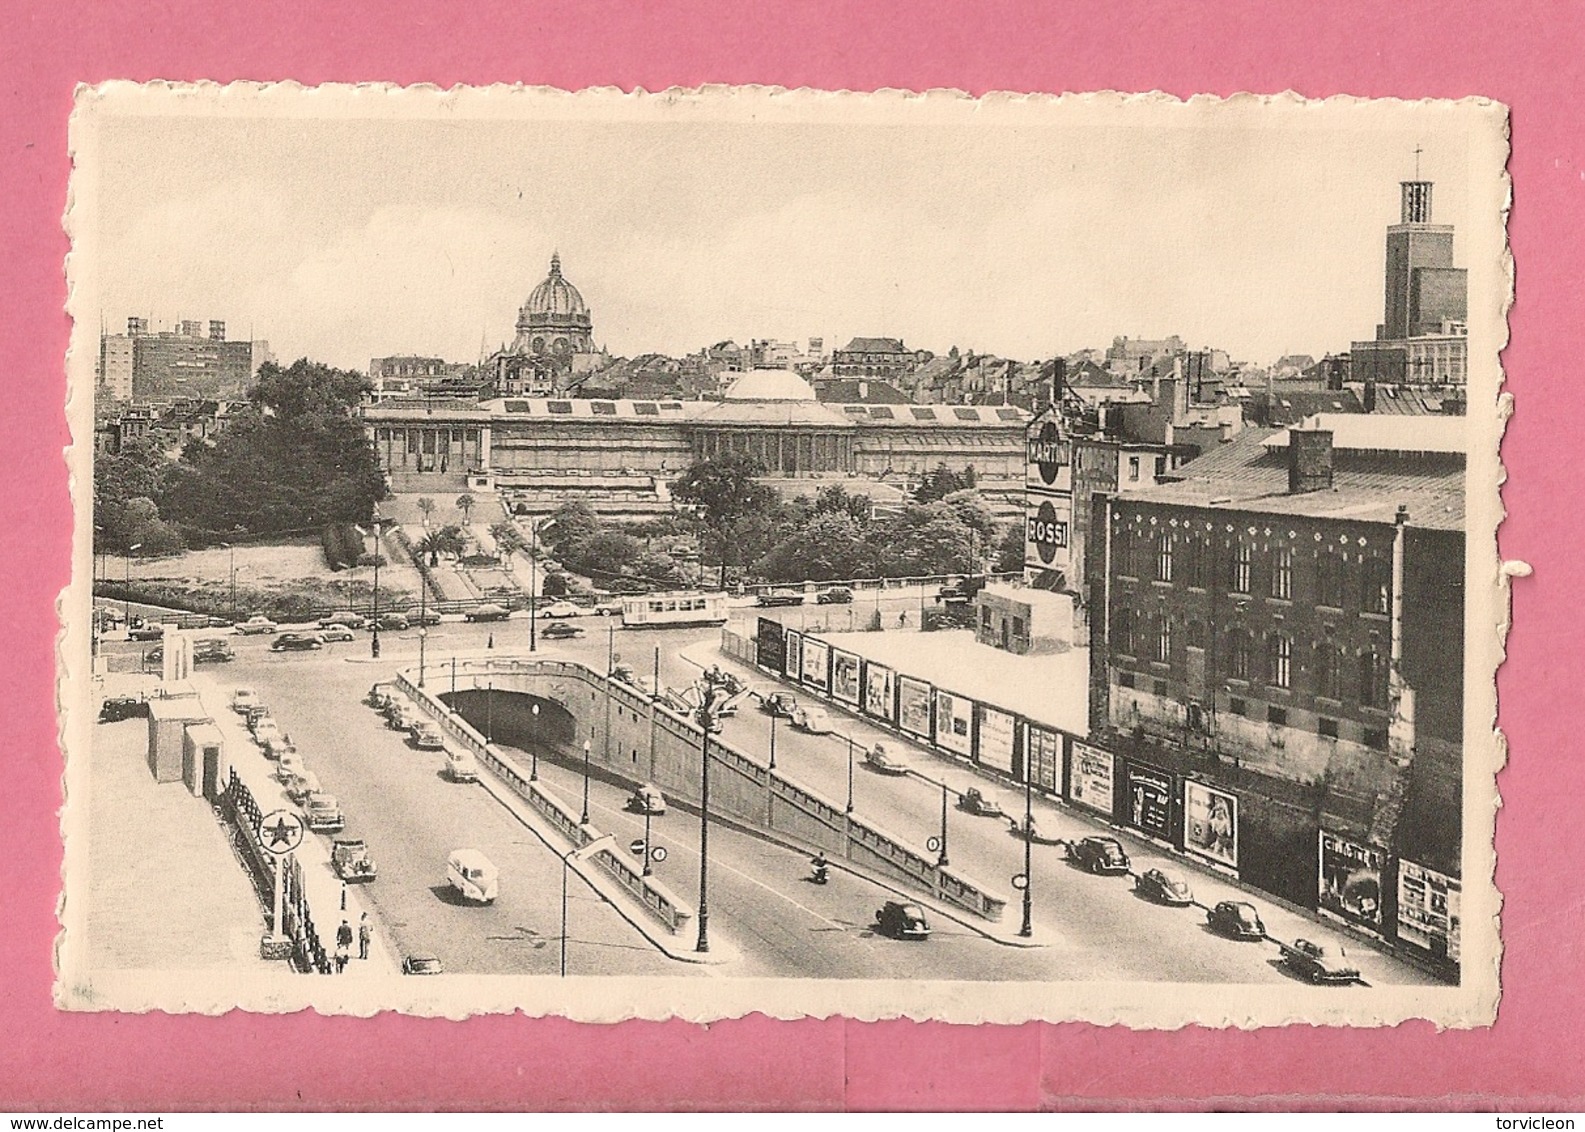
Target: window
<point>1133,469</point>
<point>1164,639</point>
<point>1243,556</point>
<point>1327,727</point>
<point>1281,659</point>
<point>1194,634</point>
<point>1161,466</point>
<point>1372,679</point>
<point>1328,581</point>
<point>1237,706</point>
<point>1277,716</point>
<point>1196,562</point>
<point>1124,626</point>
<point>1328,672</point>
<point>1376,738</point>
<point>1377,595</point>
<point>1164,556</point>
<point>1160,688</point>
<point>985,617</point>
<point>1282,574</point>
<point>1238,654</point>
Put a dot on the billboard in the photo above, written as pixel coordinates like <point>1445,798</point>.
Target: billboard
<point>794,654</point>
<point>913,706</point>
<point>817,663</point>
<point>1046,529</point>
<point>1090,778</point>
<point>1048,497</point>
<point>996,732</point>
<point>1210,823</point>
<point>880,698</point>
<point>1350,881</point>
<point>771,646</point>
<point>1043,757</point>
<point>1149,801</point>
<point>954,723</point>
<point>845,676</point>
<point>1428,909</point>
<point>1049,463</point>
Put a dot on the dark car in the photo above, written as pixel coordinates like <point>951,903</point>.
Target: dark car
<point>902,921</point>
<point>421,965</point>
<point>1236,918</point>
<point>213,651</point>
<point>416,617</point>
<point>836,595</point>
<point>394,621</point>
<point>973,802</point>
<point>780,597</point>
<point>779,703</point>
<point>960,592</point>
<point>146,632</point>
<point>1099,855</point>
<point>1319,962</point>
<point>296,642</point>
<point>117,708</point>
<point>561,631</point>
<point>344,617</point>
<point>488,613</point>
<point>1164,888</point>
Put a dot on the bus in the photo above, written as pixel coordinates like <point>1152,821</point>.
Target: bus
<point>646,611</point>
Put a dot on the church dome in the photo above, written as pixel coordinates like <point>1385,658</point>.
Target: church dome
<point>555,297</point>
<point>770,385</point>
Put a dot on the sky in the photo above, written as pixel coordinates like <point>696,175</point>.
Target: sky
<point>344,240</point>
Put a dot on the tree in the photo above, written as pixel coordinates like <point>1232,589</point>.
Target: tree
<point>1010,551</point>
<point>939,484</point>
<point>835,498</point>
<point>447,540</point>
<point>427,506</point>
<point>508,539</point>
<point>572,523</point>
<point>924,539</point>
<point>465,504</point>
<point>723,491</point>
<point>830,545</point>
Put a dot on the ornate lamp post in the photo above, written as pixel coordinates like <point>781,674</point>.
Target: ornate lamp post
<point>126,610</point>
<point>773,741</point>
<point>941,858</point>
<point>374,634</point>
<point>533,583</point>
<point>1027,928</point>
<point>584,820</point>
<point>708,724</point>
<point>533,742</point>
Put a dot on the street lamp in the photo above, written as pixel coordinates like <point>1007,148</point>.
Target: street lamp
<point>1027,929</point>
<point>533,743</point>
<point>584,820</point>
<point>533,581</point>
<point>941,859</point>
<point>489,716</point>
<point>232,551</point>
<point>423,621</point>
<point>707,724</point>
<point>850,774</point>
<point>647,815</point>
<point>126,605</point>
<point>773,740</point>
<point>374,636</point>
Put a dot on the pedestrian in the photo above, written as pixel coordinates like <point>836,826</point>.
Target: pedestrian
<point>343,946</point>
<point>365,933</point>
<point>341,957</point>
<point>902,619</point>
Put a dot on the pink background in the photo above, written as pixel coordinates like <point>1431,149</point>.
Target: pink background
<point>1525,54</point>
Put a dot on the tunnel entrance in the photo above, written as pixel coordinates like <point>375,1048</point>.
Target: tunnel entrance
<point>508,717</point>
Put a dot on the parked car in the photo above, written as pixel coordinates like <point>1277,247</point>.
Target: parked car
<point>379,696</point>
<point>608,607</point>
<point>813,720</point>
<point>960,592</point>
<point>884,760</point>
<point>780,597</point>
<point>971,801</point>
<point>324,813</point>
<point>1099,855</point>
<point>1164,888</point>
<point>902,921</point>
<point>421,965</point>
<point>213,651</point>
<point>427,736</point>
<point>146,632</point>
<point>349,856</point>
<point>1319,962</point>
<point>343,617</point>
<point>1236,918</point>
<point>296,642</point>
<point>836,595</point>
<point>461,766</point>
<point>256,624</point>
<point>647,799</point>
<point>561,631</point>
<point>265,730</point>
<point>417,617</point>
<point>1031,831</point>
<point>255,713</point>
<point>404,718</point>
<point>472,876</point>
<point>334,632</point>
<point>155,655</point>
<point>783,704</point>
<point>244,700</point>
<point>299,785</point>
<point>488,613</point>
<point>561,609</point>
<point>278,747</point>
<point>394,621</point>
<point>117,708</point>
<point>292,768</point>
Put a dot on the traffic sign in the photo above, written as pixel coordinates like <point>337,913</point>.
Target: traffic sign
<point>934,845</point>
<point>280,831</point>
<point>1020,881</point>
<point>658,854</point>
<point>636,846</point>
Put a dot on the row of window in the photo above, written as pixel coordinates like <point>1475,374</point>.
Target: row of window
<point>1171,557</point>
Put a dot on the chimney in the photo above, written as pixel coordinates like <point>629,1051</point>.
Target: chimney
<point>1370,393</point>
<point>1309,460</point>
<point>1059,379</point>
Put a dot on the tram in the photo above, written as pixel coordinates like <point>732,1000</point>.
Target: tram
<point>667,610</point>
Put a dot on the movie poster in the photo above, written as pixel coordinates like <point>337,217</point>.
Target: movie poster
<point>1210,823</point>
<point>954,723</point>
<point>1428,909</point>
<point>879,698</point>
<point>845,676</point>
<point>1043,757</point>
<point>1090,778</point>
<point>1350,881</point>
<point>795,655</point>
<point>913,706</point>
<point>817,663</point>
<point>997,729</point>
<point>770,645</point>
<point>1150,801</point>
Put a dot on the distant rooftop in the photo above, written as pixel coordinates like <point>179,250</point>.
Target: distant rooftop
<point>1366,432</point>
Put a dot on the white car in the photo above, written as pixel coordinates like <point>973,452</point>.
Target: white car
<point>265,730</point>
<point>258,623</point>
<point>813,720</point>
<point>884,760</point>
<point>561,609</point>
<point>427,736</point>
<point>336,632</point>
<point>243,699</point>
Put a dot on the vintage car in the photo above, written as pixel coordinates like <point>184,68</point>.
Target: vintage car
<point>380,696</point>
<point>291,766</point>
<point>243,700</point>
<point>350,858</point>
<point>488,613</point>
<point>812,719</point>
<point>1099,855</point>
<point>1236,918</point>
<point>472,877</point>
<point>343,617</point>
<point>971,801</point>
<point>421,965</point>
<point>145,631</point>
<point>117,708</point>
<point>296,642</point>
<point>884,760</point>
<point>1030,830</point>
<point>266,729</point>
<point>647,799</point>
<point>394,621</point>
<point>256,624</point>
<point>608,608</point>
<point>427,736</point>
<point>278,747</point>
<point>1319,962</point>
<point>253,714</point>
<point>902,921</point>
<point>300,785</point>
<point>782,704</point>
<point>335,631</point>
<point>417,617</point>
<point>561,631</point>
<point>836,595</point>
<point>780,597</point>
<point>402,716</point>
<point>561,609</point>
<point>461,766</point>
<point>212,650</point>
<point>1164,888</point>
<point>323,813</point>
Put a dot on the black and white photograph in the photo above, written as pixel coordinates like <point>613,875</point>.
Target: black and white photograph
<point>736,549</point>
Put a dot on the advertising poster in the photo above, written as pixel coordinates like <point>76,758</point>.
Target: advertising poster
<point>845,676</point>
<point>1090,778</point>
<point>771,644</point>
<point>1150,801</point>
<point>1428,909</point>
<point>1350,881</point>
<point>1210,823</point>
<point>879,700</point>
<point>817,663</point>
<point>795,655</point>
<point>913,706</point>
<point>954,723</point>
<point>1043,757</point>
<point>997,729</point>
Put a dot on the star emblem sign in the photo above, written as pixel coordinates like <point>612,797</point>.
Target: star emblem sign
<point>280,832</point>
